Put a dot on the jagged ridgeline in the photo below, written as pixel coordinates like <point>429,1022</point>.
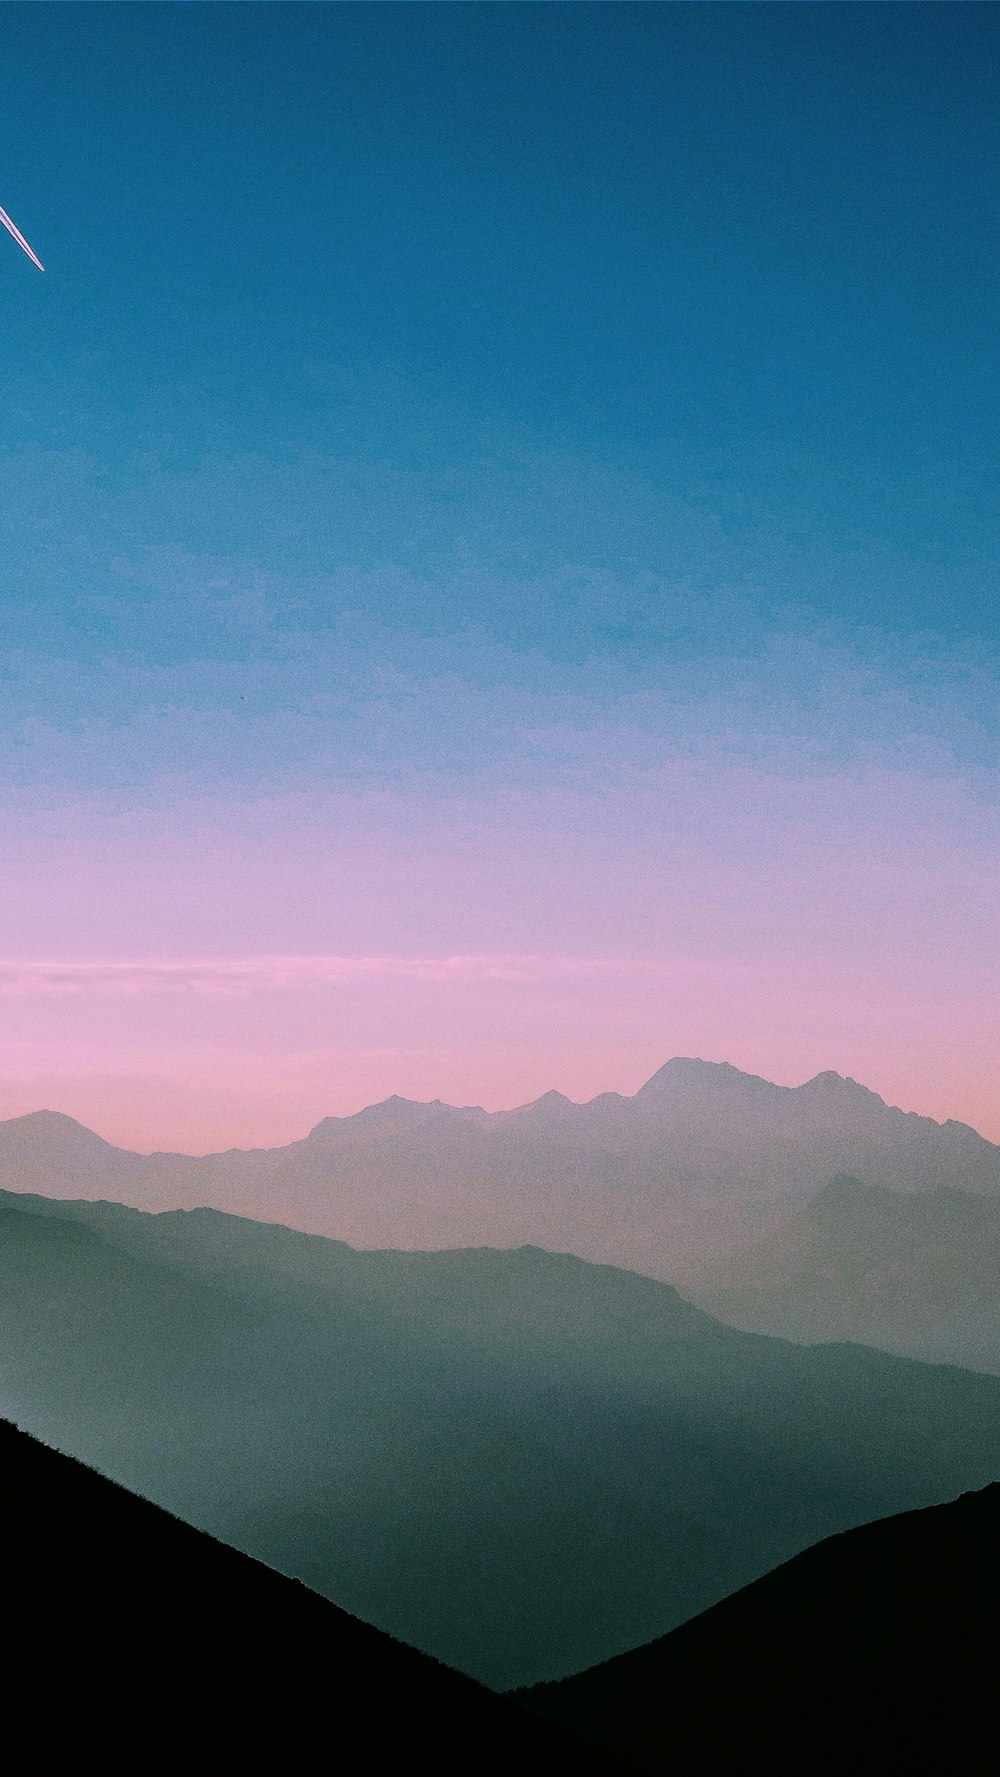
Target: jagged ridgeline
<point>696,1164</point>
<point>518,1461</point>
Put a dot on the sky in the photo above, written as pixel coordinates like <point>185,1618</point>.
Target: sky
<point>498,553</point>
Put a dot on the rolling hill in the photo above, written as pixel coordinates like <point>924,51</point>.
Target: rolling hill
<point>873,1652</point>
<point>515,1460</point>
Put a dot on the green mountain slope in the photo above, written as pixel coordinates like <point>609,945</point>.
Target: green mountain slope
<point>514,1460</point>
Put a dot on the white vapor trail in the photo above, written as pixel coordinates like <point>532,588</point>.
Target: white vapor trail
<point>19,238</point>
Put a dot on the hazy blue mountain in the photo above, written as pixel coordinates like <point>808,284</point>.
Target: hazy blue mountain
<point>135,1643</point>
<point>695,1163</point>
<point>516,1460</point>
<point>873,1653</point>
<point>916,1273</point>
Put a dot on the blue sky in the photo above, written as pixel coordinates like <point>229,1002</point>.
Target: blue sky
<point>742,256</point>
<point>518,320</point>
<point>455,423</point>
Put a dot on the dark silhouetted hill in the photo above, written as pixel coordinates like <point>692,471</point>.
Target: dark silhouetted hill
<point>915,1273</point>
<point>134,1643</point>
<point>517,1461</point>
<point>688,1165</point>
<point>874,1653</point>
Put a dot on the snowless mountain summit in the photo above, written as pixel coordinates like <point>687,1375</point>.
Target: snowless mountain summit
<point>686,1166</point>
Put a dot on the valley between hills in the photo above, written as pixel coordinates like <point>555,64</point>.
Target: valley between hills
<point>525,1459</point>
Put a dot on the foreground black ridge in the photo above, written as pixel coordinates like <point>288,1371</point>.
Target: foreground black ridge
<point>874,1652</point>
<point>136,1642</point>
<point>517,1461</point>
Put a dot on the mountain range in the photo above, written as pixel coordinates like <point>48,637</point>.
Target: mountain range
<point>517,1461</point>
<point>133,1642</point>
<point>697,1163</point>
<point>916,1273</point>
<point>874,1652</point>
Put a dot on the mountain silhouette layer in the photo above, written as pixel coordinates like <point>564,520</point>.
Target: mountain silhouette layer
<point>514,1460</point>
<point>917,1273</point>
<point>687,1166</point>
<point>135,1643</point>
<point>874,1652</point>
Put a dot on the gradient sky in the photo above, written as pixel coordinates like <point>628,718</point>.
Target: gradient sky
<point>499,534</point>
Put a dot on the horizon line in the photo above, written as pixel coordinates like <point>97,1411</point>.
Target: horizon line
<point>716,1067</point>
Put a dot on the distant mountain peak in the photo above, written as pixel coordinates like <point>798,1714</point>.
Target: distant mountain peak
<point>325,1127</point>
<point>689,1070</point>
<point>53,1128</point>
<point>393,1114</point>
<point>44,1119</point>
<point>551,1104</point>
<point>395,1106</point>
<point>389,1112</point>
<point>830,1083</point>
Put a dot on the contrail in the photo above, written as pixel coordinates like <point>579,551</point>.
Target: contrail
<point>19,238</point>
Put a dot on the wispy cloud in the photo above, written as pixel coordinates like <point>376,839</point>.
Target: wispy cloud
<point>248,975</point>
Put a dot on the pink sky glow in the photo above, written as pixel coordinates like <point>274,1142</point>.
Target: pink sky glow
<point>205,1053</point>
<point>200,974</point>
<point>552,631</point>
